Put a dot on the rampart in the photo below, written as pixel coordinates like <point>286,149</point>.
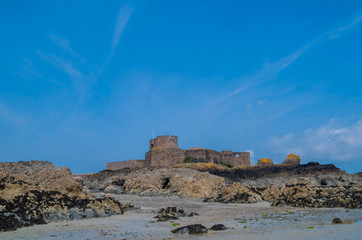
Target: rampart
<point>236,159</point>
<point>135,163</point>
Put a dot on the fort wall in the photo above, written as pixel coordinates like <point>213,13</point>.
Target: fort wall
<point>164,151</point>
<point>241,159</point>
<point>135,163</point>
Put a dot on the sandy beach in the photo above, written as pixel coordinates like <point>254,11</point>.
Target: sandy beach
<point>244,221</point>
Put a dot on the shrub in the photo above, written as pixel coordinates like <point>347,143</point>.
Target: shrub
<point>292,159</point>
<point>226,164</point>
<point>265,162</point>
<point>188,159</point>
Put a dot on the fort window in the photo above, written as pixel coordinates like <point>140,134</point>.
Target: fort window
<point>237,155</point>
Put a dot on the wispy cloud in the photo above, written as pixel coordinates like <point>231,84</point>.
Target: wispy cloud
<point>144,117</point>
<point>271,70</point>
<point>328,142</point>
<point>9,115</point>
<point>122,20</point>
<point>123,16</point>
<point>62,64</point>
<point>63,43</point>
<point>351,23</point>
<point>27,70</point>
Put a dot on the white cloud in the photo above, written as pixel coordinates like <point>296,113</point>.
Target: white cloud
<point>329,142</point>
<point>252,156</point>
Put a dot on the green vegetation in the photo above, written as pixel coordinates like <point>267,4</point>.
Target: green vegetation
<point>175,224</point>
<point>226,164</point>
<point>311,227</point>
<point>188,159</point>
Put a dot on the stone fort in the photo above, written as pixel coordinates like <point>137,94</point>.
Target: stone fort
<point>164,151</point>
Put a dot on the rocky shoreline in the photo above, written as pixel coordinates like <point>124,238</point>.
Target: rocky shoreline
<point>39,192</point>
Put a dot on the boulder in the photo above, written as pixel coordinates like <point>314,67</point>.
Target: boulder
<point>337,221</point>
<point>191,229</point>
<point>218,227</point>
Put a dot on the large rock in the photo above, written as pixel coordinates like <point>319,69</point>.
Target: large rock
<point>38,192</point>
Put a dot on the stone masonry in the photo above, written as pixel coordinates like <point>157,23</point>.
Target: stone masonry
<point>164,151</point>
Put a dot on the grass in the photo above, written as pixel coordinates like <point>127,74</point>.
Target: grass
<point>175,224</point>
<point>311,227</point>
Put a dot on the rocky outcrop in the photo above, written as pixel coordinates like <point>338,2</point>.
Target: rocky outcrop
<point>297,193</point>
<point>303,193</point>
<point>39,192</point>
<point>149,181</point>
<point>103,179</point>
<point>237,193</point>
<point>308,185</point>
<point>266,174</point>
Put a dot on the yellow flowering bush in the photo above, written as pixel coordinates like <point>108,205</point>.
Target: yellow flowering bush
<point>292,159</point>
<point>265,162</point>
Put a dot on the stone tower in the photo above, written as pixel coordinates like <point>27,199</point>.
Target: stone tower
<point>164,151</point>
<point>164,142</point>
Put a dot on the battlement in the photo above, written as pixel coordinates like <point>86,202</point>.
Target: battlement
<point>164,142</point>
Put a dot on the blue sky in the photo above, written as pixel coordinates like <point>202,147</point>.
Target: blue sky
<point>83,83</point>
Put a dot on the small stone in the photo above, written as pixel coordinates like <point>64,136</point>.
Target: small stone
<point>337,220</point>
<point>218,227</point>
<point>191,214</point>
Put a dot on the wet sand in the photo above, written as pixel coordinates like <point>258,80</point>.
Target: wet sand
<point>245,221</point>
